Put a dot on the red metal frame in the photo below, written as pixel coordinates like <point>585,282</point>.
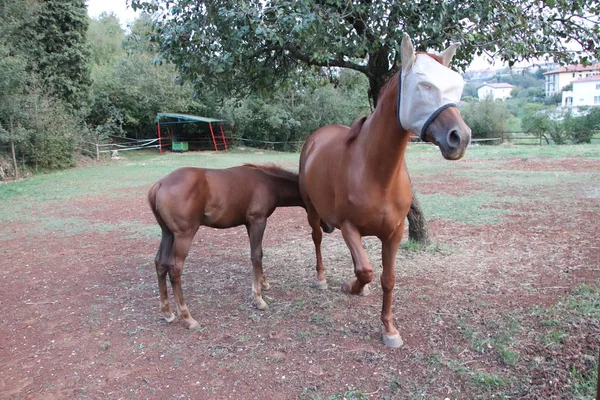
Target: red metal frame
<point>212,133</point>
<point>223,136</point>
<point>159,139</point>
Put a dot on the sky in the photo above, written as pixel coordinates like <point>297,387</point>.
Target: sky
<point>119,7</point>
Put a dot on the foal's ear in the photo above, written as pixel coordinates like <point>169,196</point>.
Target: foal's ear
<point>407,53</point>
<point>447,54</point>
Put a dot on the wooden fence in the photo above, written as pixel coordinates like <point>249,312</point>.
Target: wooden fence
<point>532,138</point>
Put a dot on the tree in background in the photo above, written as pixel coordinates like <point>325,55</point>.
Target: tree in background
<point>41,129</point>
<point>294,111</point>
<point>538,119</point>
<point>253,45</point>
<point>128,87</point>
<point>56,46</point>
<point>580,128</point>
<point>486,118</point>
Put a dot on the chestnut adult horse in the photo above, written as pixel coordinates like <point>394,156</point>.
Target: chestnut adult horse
<point>190,197</point>
<point>355,179</point>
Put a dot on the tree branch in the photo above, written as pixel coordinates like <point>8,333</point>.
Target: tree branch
<point>339,62</point>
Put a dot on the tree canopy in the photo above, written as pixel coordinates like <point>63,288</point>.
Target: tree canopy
<point>253,44</point>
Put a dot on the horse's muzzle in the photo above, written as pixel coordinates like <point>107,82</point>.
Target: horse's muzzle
<point>450,133</point>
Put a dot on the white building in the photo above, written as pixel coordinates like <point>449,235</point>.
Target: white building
<point>495,91</point>
<point>557,79</point>
<point>586,92</point>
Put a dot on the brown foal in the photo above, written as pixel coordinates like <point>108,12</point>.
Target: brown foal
<point>190,197</point>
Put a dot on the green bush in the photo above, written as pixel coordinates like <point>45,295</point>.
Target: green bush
<point>486,118</point>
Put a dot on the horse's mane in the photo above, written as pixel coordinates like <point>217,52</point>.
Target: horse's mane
<point>275,170</point>
<point>355,128</point>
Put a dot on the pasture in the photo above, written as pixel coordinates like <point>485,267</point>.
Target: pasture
<point>505,303</point>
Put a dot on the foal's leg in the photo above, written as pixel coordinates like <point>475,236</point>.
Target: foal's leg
<point>362,267</point>
<point>256,229</point>
<point>162,268</point>
<point>181,249</point>
<point>317,235</point>
<point>391,337</point>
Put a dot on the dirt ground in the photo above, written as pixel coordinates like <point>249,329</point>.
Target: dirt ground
<point>80,314</point>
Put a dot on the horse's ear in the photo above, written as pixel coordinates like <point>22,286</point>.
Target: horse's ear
<point>447,54</point>
<point>407,53</point>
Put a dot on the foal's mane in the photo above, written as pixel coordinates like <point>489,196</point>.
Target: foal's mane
<point>274,170</point>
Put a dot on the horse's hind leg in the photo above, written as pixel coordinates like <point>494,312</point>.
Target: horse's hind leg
<point>181,249</point>
<point>317,236</point>
<point>256,229</point>
<point>162,268</point>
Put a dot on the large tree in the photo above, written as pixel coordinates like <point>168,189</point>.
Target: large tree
<point>246,45</point>
<point>251,44</point>
<point>57,50</point>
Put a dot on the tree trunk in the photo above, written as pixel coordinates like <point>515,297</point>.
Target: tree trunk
<point>14,157</point>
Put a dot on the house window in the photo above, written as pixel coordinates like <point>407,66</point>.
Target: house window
<point>597,86</point>
<point>596,99</point>
<point>573,74</point>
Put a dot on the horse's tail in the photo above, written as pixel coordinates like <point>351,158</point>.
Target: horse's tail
<point>165,250</point>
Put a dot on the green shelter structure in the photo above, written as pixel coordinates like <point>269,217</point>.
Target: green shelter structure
<point>184,132</point>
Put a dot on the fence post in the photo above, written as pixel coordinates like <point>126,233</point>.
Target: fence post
<point>97,152</point>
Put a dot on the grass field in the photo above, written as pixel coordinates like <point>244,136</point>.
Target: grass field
<point>504,303</point>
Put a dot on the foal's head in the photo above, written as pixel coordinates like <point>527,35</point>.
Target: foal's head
<point>427,97</point>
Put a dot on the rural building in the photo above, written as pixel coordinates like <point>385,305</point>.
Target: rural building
<point>497,91</point>
<point>557,79</point>
<point>586,92</point>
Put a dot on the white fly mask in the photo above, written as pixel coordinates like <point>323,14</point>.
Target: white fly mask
<point>426,88</point>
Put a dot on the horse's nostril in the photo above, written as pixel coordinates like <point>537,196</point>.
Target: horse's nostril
<point>453,138</point>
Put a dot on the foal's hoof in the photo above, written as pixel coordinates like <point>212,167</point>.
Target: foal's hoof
<point>347,287</point>
<point>321,285</point>
<point>266,286</point>
<point>194,326</point>
<point>261,305</point>
<point>170,319</point>
<point>394,341</point>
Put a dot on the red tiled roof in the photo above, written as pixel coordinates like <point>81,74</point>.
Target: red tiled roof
<point>574,68</point>
<point>497,85</point>
<point>588,79</point>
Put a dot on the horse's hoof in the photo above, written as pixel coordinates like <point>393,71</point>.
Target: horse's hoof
<point>394,341</point>
<point>348,288</point>
<point>321,285</point>
<point>266,286</point>
<point>194,326</point>
<point>366,291</point>
<point>170,319</point>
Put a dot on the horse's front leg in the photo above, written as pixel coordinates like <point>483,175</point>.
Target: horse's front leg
<point>362,267</point>
<point>389,248</point>
<point>256,229</point>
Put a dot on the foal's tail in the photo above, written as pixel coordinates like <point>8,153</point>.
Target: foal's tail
<point>165,250</point>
